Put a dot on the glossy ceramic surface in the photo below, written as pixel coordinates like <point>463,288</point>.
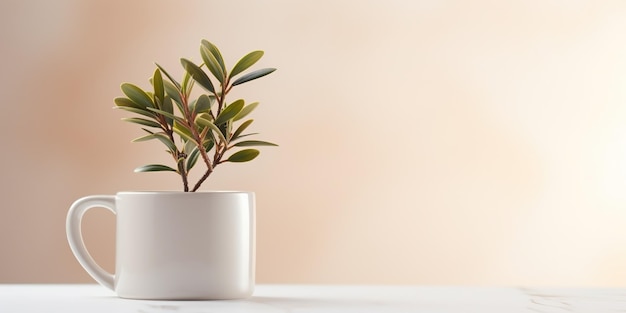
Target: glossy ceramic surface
<point>175,245</point>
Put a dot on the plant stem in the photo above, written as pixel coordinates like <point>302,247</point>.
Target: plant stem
<point>201,180</point>
<point>208,172</point>
<point>183,174</point>
<point>190,116</point>
<point>175,154</point>
<point>216,161</point>
<point>220,148</point>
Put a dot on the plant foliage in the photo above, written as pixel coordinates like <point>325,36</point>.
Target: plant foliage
<point>206,129</point>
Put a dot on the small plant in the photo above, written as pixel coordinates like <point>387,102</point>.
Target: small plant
<point>205,128</point>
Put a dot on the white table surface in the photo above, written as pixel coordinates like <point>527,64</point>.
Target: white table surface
<point>314,298</point>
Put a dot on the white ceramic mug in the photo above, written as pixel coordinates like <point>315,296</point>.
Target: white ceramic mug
<point>174,245</point>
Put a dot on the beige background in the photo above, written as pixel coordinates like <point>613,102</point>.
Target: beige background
<point>422,142</point>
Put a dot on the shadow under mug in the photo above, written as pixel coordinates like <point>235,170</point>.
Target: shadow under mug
<point>174,245</point>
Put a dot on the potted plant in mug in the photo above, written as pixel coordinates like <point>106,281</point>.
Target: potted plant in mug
<point>184,244</point>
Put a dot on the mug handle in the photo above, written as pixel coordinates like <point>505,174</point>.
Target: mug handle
<point>75,237</point>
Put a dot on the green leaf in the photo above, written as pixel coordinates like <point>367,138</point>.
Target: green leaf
<point>142,121</point>
<point>246,135</point>
<point>162,137</point>
<point>244,155</point>
<point>216,53</point>
<point>188,147</point>
<point>203,104</point>
<point>245,62</point>
<point>245,111</point>
<point>128,105</point>
<point>167,114</point>
<point>198,74</point>
<point>137,95</point>
<point>168,76</point>
<point>168,107</point>
<point>154,168</point>
<point>241,128</point>
<point>192,105</point>
<point>212,63</point>
<point>226,128</point>
<point>157,82</point>
<point>192,158</point>
<point>229,112</point>
<point>253,75</point>
<point>137,111</point>
<point>125,102</point>
<point>187,83</point>
<point>208,145</point>
<point>204,120</point>
<point>171,91</point>
<point>249,143</point>
<point>144,138</point>
<point>183,131</point>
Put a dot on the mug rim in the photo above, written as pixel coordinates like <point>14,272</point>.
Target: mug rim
<point>176,192</point>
